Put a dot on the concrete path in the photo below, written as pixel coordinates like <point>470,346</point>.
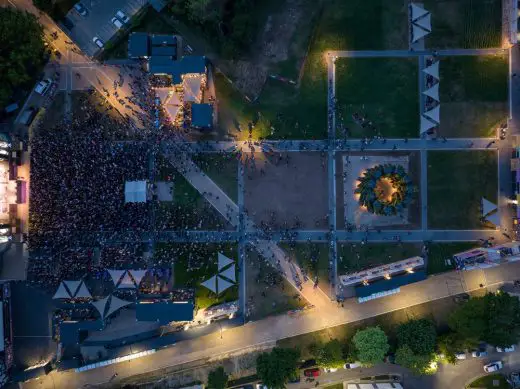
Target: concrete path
<point>408,53</point>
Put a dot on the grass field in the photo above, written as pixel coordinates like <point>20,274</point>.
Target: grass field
<point>464,23</point>
<point>439,252</point>
<point>188,274</point>
<point>487,382</point>
<point>383,90</point>
<point>474,93</point>
<point>457,181</point>
<point>355,257</point>
<point>222,169</point>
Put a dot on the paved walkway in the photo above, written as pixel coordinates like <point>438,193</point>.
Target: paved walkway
<point>409,53</point>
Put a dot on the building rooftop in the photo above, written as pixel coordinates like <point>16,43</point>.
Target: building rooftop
<point>202,115</point>
<point>384,284</point>
<point>176,69</point>
<point>70,331</point>
<point>163,310</point>
<point>138,45</point>
<point>163,40</point>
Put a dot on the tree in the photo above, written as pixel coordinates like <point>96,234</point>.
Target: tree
<point>419,335</point>
<point>330,355</point>
<point>470,320</point>
<point>275,368</point>
<point>21,52</point>
<point>419,364</point>
<point>371,345</point>
<point>217,379</point>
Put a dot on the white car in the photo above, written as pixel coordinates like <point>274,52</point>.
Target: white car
<point>80,8</point>
<point>354,365</point>
<point>43,86</point>
<point>493,366</point>
<point>98,42</point>
<point>330,369</point>
<point>116,22</point>
<point>509,349</point>
<point>460,355</point>
<point>122,16</point>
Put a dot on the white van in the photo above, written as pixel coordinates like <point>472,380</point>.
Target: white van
<point>43,86</point>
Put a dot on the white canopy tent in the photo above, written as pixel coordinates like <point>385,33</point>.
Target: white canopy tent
<point>116,304</point>
<point>223,285</point>
<point>417,11</point>
<point>116,275</point>
<point>192,85</point>
<point>487,206</point>
<point>433,92</point>
<point>211,284</point>
<point>127,282</point>
<point>434,114</point>
<point>174,98</point>
<point>135,191</point>
<point>426,124</point>
<point>229,273</point>
<point>138,275</point>
<point>73,287</point>
<point>223,261</point>
<point>61,293</point>
<point>172,111</point>
<point>83,291</point>
<point>101,306</point>
<point>418,33</point>
<point>494,218</point>
<point>433,70</point>
<point>425,22</point>
<point>162,94</point>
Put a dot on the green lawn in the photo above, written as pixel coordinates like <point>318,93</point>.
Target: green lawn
<point>487,382</point>
<point>457,181</point>
<point>313,258</point>
<point>222,169</point>
<point>383,90</point>
<point>186,274</point>
<point>439,252</point>
<point>474,93</point>
<point>354,257</point>
<point>464,23</point>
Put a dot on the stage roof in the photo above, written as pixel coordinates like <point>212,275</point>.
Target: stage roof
<point>396,281</point>
<point>164,311</point>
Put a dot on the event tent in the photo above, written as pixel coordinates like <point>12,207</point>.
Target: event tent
<point>417,11</point>
<point>433,70</point>
<point>487,206</point>
<point>192,85</point>
<point>426,124</point>
<point>101,306</point>
<point>138,275</point>
<point>494,218</point>
<point>172,111</point>
<point>135,191</point>
<point>418,33</point>
<point>223,285</point>
<point>162,94</point>
<point>433,92</point>
<point>127,282</point>
<point>116,275</point>
<point>72,286</point>
<point>223,261</point>
<point>61,293</point>
<point>425,22</point>
<point>434,114</point>
<point>115,304</point>
<point>211,284</point>
<point>229,273</point>
<point>83,291</point>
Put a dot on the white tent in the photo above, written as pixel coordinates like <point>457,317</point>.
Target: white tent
<point>174,98</point>
<point>426,124</point>
<point>127,282</point>
<point>72,286</point>
<point>425,22</point>
<point>417,11</point>
<point>223,261</point>
<point>229,273</point>
<point>101,305</point>
<point>433,92</point>
<point>115,304</point>
<point>434,114</point>
<point>487,206</point>
<point>162,94</point>
<point>135,191</point>
<point>191,87</point>
<point>138,275</point>
<point>83,292</point>
<point>172,111</point>
<point>433,70</point>
<point>116,275</point>
<point>211,284</point>
<point>418,33</point>
<point>223,285</point>
<point>61,293</point>
<point>494,218</point>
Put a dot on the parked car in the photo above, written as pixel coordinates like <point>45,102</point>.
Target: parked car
<point>80,8</point>
<point>122,16</point>
<point>493,366</point>
<point>330,369</point>
<point>460,355</point>
<point>260,386</point>
<point>315,372</point>
<point>479,354</point>
<point>68,23</point>
<point>28,116</point>
<point>353,365</point>
<point>116,22</point>
<point>509,349</point>
<point>43,86</point>
<point>98,42</point>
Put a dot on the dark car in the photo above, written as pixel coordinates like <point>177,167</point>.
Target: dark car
<point>80,8</point>
<point>68,23</point>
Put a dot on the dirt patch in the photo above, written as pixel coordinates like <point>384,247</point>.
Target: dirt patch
<point>287,190</point>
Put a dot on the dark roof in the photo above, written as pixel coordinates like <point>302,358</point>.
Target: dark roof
<point>193,64</point>
<point>164,311</point>
<point>186,65</point>
<point>70,331</point>
<point>201,115</point>
<point>167,51</point>
<point>384,285</point>
<point>162,40</point>
<point>138,45</point>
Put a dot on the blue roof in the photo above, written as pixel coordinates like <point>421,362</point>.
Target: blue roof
<point>186,65</point>
<point>395,282</point>
<point>158,40</point>
<point>202,115</point>
<point>164,311</point>
<point>138,45</point>
<point>70,330</point>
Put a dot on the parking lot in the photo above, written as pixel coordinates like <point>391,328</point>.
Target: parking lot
<point>97,21</point>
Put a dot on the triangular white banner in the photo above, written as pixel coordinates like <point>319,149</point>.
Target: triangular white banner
<point>115,304</point>
<point>433,92</point>
<point>223,285</point>
<point>418,33</point>
<point>433,70</point>
<point>494,218</point>
<point>83,292</point>
<point>101,305</point>
<point>211,284</point>
<point>61,293</point>
<point>229,273</point>
<point>127,282</point>
<point>417,11</point>
<point>426,124</point>
<point>116,275</point>
<point>72,286</point>
<point>223,261</point>
<point>487,206</point>
<point>425,22</point>
<point>138,275</point>
<point>434,114</point>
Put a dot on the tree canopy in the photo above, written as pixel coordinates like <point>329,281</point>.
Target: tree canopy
<point>417,363</point>
<point>419,335</point>
<point>21,52</point>
<point>493,318</point>
<point>330,354</point>
<point>217,379</point>
<point>275,368</point>
<point>371,345</point>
